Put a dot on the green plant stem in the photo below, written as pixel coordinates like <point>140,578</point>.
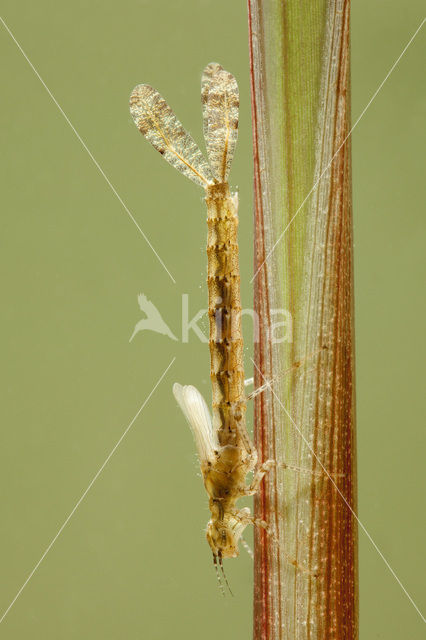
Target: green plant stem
<point>303,264</point>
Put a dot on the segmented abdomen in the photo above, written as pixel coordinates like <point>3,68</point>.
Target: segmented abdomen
<point>226,343</point>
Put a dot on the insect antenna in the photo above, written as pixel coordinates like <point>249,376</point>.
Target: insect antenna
<point>224,575</point>
<point>222,590</point>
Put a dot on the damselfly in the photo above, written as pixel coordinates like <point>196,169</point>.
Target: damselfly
<point>225,450</point>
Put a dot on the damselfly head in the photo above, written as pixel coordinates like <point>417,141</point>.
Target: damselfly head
<point>224,536</point>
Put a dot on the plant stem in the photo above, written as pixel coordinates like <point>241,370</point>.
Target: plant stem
<point>306,568</point>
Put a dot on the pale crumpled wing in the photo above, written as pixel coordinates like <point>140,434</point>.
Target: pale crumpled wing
<point>196,412</point>
<point>157,122</point>
<point>220,100</point>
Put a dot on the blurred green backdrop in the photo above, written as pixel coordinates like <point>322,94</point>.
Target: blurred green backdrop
<point>133,562</point>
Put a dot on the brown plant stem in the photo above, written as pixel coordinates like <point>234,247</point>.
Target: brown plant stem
<point>301,119</point>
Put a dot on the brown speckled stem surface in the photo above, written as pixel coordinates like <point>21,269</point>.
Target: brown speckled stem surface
<point>301,119</point>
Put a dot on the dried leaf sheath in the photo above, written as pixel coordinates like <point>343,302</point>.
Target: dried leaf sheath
<point>300,83</point>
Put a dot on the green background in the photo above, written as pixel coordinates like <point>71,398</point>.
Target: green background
<point>132,562</point>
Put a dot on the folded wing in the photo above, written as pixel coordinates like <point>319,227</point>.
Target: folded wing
<point>198,416</point>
